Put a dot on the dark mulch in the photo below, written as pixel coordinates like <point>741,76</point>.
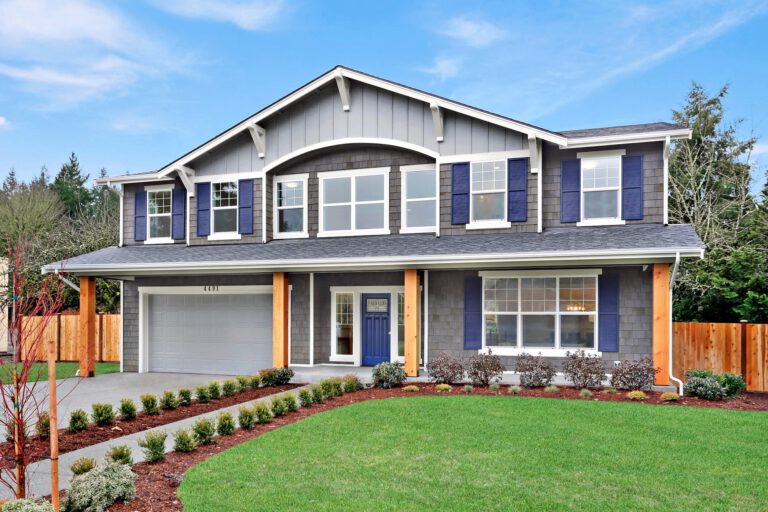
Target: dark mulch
<point>157,483</point>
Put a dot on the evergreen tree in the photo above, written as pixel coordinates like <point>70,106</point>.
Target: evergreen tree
<point>69,184</point>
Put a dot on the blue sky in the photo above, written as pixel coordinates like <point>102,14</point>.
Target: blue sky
<point>131,85</point>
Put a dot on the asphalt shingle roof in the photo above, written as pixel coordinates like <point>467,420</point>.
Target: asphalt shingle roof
<point>628,129</point>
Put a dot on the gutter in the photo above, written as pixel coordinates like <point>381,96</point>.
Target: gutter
<point>672,278</point>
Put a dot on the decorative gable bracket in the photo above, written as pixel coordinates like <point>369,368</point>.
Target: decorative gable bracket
<point>437,119</point>
<point>534,148</point>
<point>343,84</point>
<point>186,174</point>
<point>259,136</point>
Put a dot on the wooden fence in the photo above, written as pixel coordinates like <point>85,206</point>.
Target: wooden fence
<point>735,348</point>
<point>65,329</point>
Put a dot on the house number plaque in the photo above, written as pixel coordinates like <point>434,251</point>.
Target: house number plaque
<point>211,288</point>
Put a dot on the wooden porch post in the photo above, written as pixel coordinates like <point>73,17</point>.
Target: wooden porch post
<point>87,341</point>
<point>279,320</point>
<point>412,326</point>
<point>661,319</point>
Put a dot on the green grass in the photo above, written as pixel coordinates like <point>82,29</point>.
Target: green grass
<point>494,453</point>
<point>63,371</point>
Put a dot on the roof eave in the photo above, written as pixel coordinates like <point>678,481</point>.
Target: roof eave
<point>630,138</point>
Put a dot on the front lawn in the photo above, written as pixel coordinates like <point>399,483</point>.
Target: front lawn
<point>493,453</point>
<point>64,370</point>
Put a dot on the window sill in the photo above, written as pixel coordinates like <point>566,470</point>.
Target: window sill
<point>602,222</point>
<point>224,236</point>
<point>363,232</point>
<point>545,352</point>
<point>424,229</point>
<point>155,241</point>
<point>342,359</point>
<point>285,236</point>
<point>492,224</point>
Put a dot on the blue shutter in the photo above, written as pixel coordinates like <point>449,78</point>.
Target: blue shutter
<point>473,313</point>
<point>632,187</point>
<point>140,216</point>
<point>178,213</point>
<point>570,190</point>
<point>203,194</point>
<point>517,184</point>
<point>460,193</point>
<point>608,312</point>
<point>245,207</point>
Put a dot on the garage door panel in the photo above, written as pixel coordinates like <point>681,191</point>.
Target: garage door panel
<point>217,333</point>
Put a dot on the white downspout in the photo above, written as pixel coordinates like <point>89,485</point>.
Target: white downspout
<point>680,384</point>
<point>120,193</point>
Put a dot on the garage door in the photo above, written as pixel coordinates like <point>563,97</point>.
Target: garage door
<point>228,334</point>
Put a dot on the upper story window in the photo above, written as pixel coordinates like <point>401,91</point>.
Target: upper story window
<point>290,198</point>
<point>224,207</point>
<point>601,187</point>
<point>159,214</point>
<point>488,192</point>
<point>354,202</point>
<point>419,199</point>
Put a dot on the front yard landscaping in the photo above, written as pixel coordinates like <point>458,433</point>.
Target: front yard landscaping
<point>465,452</point>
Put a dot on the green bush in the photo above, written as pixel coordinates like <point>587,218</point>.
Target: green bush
<point>468,389</point>
<point>182,441</point>
<point>611,391</point>
<point>514,390</point>
<point>255,382</point>
<point>317,394</point>
<point>149,404</point>
<point>262,413</point>
<point>229,387</point>
<point>289,399</point>
<point>153,445</point>
<point>277,406</point>
<point>352,383</point>
<point>669,396</point>
<point>706,388</point>
<point>121,454</point>
<point>203,431</point>
<point>43,425</point>
<point>411,389</point>
<point>305,397</point>
<point>185,397</point>
<point>28,505</point>
<point>82,465</point>
<point>127,409</point>
<point>551,389</point>
<point>268,377</point>
<point>388,375</point>
<point>332,387</point>
<point>98,489</point>
<point>78,421</point>
<point>495,386</point>
<point>168,401</point>
<point>443,388</point>
<point>731,383</point>
<point>225,424</point>
<point>283,376</point>
<point>214,390</point>
<point>102,414</point>
<point>636,395</point>
<point>243,383</point>
<point>203,394</point>
<point>585,393</point>
<point>246,418</point>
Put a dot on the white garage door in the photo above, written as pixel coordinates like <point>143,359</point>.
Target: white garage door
<point>228,334</point>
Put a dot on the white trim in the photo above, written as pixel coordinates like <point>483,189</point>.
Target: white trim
<point>263,209</point>
<point>311,319</point>
<point>131,178</point>
<point>157,241</point>
<point>633,138</point>
<point>573,272</point>
<point>304,179</point>
<point>187,215</point>
<point>404,171</point>
<point>122,321</point>
<point>601,154</point>
<point>290,340</point>
<point>487,224</point>
<point>545,352</point>
<point>226,235</point>
<point>484,157</point>
<point>665,155</point>
<point>153,189</point>
<point>540,194</point>
<point>228,177</point>
<point>601,222</point>
<point>368,171</point>
<point>490,223</point>
<point>353,174</point>
<point>121,240</point>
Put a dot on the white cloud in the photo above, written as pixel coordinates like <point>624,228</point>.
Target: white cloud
<point>246,14</point>
<point>5,124</point>
<point>443,68</point>
<point>760,149</point>
<point>472,32</point>
<point>133,124</point>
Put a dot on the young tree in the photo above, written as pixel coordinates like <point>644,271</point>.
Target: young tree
<point>69,184</point>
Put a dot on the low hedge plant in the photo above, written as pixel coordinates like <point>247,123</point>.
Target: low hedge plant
<point>78,420</point>
<point>534,371</point>
<point>352,383</point>
<point>153,445</point>
<point>203,394</point>
<point>388,375</point>
<point>82,465</point>
<point>318,396</point>
<point>445,369</point>
<point>127,409</point>
<point>203,431</point>
<point>263,415</point>
<point>43,425</point>
<point>121,454</point>
<point>305,398</point>
<point>149,404</point>
<point>185,397</point>
<point>214,390</point>
<point>225,424</point>
<point>101,487</point>
<point>229,387</point>
<point>246,417</point>
<point>168,401</point>
<point>182,441</point>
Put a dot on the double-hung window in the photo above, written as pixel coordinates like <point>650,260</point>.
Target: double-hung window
<point>419,198</point>
<point>488,191</point>
<point>159,215</point>
<point>290,198</point>
<point>601,187</point>
<point>224,207</point>
<point>354,202</point>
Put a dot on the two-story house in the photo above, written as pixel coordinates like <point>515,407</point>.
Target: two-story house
<point>357,220</point>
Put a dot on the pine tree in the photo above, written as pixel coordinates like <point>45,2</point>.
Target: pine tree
<point>69,184</point>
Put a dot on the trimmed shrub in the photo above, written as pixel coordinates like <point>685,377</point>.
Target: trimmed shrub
<point>225,424</point>
<point>534,371</point>
<point>514,390</point>
<point>182,441</point>
<point>277,406</point>
<point>585,393</point>
<point>731,383</point>
<point>185,397</point>
<point>168,401</point>
<point>82,465</point>
<point>127,409</point>
<point>551,389</point>
<point>445,369</point>
<point>317,394</point>
<point>246,418</point>
<point>289,399</point>
<point>707,388</point>
<point>255,382</point>
<point>634,374</point>
<point>305,398</point>
<point>43,425</point>
<point>229,387</point>
<point>243,383</point>
<point>153,445</point>
<point>411,389</point>
<point>495,386</point>
<point>352,383</point>
<point>203,394</point>
<point>203,431</point>
<point>468,389</point>
<point>268,377</point>
<point>388,375</point>
<point>214,390</point>
<point>332,387</point>
<point>262,413</point>
<point>443,388</point>
<point>636,395</point>
<point>149,404</point>
<point>669,396</point>
<point>96,490</point>
<point>283,376</point>
<point>584,370</point>
<point>483,369</point>
<point>611,391</point>
<point>102,414</point>
<point>78,421</point>
<point>121,454</point>
<point>28,505</point>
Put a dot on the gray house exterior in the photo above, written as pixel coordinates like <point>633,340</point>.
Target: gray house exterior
<point>357,220</point>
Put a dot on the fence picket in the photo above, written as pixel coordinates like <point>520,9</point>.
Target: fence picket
<point>65,329</point>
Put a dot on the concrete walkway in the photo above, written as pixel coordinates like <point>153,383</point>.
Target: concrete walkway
<point>39,474</point>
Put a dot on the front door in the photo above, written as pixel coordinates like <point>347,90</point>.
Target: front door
<point>376,328</point>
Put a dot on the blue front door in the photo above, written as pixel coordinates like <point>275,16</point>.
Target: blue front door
<point>376,327</point>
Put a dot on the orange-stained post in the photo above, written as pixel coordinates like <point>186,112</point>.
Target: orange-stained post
<point>87,342</point>
<point>412,322</point>
<point>661,320</point>
<point>279,320</point>
<point>54,416</point>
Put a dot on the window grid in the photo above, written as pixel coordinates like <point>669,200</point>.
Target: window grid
<point>159,213</point>
<point>600,175</point>
<point>223,200</point>
<point>290,216</point>
<point>354,203</point>
<point>488,182</point>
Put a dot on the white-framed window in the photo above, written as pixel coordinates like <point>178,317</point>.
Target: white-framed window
<point>354,202</point>
<point>224,208</point>
<point>290,206</point>
<point>488,194</point>
<point>601,187</point>
<point>537,312</point>
<point>342,343</point>
<point>419,205</point>
<point>159,210</point>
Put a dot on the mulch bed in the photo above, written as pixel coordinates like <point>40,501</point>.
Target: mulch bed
<point>157,483</point>
<point>70,441</point>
